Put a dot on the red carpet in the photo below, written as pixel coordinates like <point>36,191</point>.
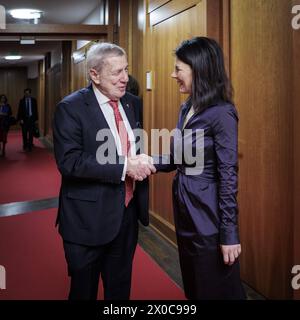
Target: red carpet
<point>32,254</point>
<point>27,175</point>
<point>31,249</point>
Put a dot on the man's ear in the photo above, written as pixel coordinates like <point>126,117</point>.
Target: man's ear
<point>94,75</point>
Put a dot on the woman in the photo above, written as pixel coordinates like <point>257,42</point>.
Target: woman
<point>5,113</point>
<point>205,205</point>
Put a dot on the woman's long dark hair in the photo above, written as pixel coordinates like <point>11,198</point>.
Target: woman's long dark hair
<point>210,83</point>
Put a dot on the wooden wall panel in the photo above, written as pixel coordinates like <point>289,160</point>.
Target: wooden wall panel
<point>79,79</point>
<point>33,85</point>
<point>154,4</point>
<point>13,81</point>
<point>138,24</point>
<point>261,69</point>
<point>125,29</point>
<point>166,97</point>
<point>162,103</point>
<point>41,96</point>
<point>171,8</point>
<point>296,103</point>
<point>66,68</point>
<point>218,26</point>
<point>53,96</point>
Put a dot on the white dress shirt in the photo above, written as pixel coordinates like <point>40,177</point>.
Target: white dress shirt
<point>110,119</point>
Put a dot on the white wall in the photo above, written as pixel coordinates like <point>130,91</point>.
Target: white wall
<point>95,17</point>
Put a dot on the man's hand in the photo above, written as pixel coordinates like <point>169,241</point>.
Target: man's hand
<point>140,167</point>
<point>230,253</point>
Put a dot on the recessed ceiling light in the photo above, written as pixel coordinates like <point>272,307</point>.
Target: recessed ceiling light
<point>26,13</point>
<point>12,57</point>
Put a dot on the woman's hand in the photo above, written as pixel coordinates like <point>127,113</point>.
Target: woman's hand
<point>230,253</point>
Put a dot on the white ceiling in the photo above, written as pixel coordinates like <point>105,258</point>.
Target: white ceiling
<point>55,11</point>
<point>30,53</point>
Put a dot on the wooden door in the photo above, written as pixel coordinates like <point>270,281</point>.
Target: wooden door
<point>168,24</point>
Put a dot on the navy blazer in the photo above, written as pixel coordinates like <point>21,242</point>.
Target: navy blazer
<point>92,195</point>
<point>22,110</point>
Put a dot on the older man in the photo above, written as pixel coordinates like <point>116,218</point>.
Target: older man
<point>102,194</point>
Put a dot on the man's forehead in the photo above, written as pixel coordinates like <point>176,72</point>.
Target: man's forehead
<point>116,62</point>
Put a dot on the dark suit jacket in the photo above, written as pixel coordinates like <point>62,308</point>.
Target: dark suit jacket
<point>22,110</point>
<point>92,196</point>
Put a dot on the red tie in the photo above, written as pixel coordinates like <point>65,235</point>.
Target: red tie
<point>125,143</point>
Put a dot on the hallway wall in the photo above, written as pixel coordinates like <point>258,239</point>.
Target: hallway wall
<point>261,71</point>
<point>296,167</point>
<point>13,81</point>
<point>78,70</point>
<point>159,29</point>
<point>52,95</point>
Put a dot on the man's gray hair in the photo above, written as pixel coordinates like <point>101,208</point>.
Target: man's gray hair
<point>97,54</point>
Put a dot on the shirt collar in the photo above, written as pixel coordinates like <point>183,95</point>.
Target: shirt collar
<point>100,96</point>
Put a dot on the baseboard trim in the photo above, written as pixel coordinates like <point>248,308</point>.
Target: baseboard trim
<point>164,228</point>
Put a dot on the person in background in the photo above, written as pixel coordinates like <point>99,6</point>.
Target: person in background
<point>101,201</point>
<point>132,86</point>
<point>5,113</point>
<point>27,115</point>
<point>205,201</point>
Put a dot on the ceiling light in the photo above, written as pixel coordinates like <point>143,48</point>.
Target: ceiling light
<point>12,57</point>
<point>27,41</point>
<point>26,14</point>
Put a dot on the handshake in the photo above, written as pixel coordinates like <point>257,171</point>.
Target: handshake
<point>140,167</point>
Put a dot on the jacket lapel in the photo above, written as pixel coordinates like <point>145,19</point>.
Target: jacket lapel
<point>93,108</point>
<point>183,113</point>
